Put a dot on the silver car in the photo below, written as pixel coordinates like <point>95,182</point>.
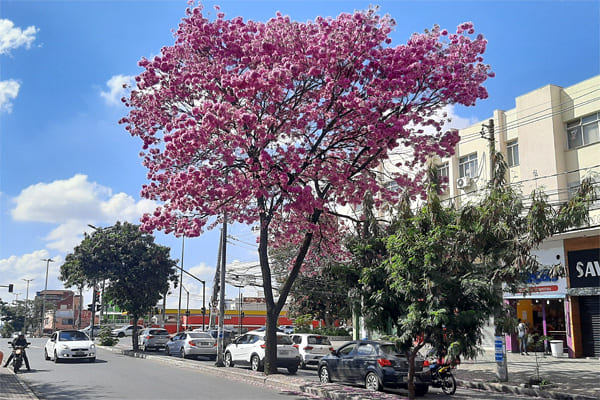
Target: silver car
<point>311,347</point>
<point>192,344</point>
<point>153,338</point>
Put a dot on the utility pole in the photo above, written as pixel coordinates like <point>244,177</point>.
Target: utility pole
<point>180,285</point>
<point>26,305</point>
<point>213,299</point>
<point>48,261</point>
<point>499,338</point>
<point>221,333</point>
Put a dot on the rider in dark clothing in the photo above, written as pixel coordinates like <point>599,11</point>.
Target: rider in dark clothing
<point>19,341</point>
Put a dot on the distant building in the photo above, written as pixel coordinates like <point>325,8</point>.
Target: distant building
<point>551,140</point>
<point>62,309</point>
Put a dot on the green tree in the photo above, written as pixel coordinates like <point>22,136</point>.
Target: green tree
<point>136,271</point>
<point>321,289</point>
<point>439,282</point>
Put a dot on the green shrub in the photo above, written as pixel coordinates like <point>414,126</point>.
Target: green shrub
<point>105,338</point>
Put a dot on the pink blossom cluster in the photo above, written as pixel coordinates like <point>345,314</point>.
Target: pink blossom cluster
<point>272,121</point>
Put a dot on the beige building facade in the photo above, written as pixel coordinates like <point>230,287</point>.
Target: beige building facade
<point>551,141</point>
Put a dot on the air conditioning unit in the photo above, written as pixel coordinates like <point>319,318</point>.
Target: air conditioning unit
<point>463,183</point>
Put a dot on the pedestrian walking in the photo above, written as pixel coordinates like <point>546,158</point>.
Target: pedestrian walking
<point>523,332</point>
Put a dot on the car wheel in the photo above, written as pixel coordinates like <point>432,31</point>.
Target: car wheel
<point>56,359</point>
<point>255,363</point>
<point>324,376</point>
<point>292,370</point>
<point>92,359</point>
<point>421,390</point>
<point>121,334</point>
<point>228,360</point>
<point>372,382</point>
<point>182,353</point>
<point>46,356</point>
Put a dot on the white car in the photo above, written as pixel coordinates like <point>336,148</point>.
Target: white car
<point>311,347</point>
<point>125,331</point>
<point>69,345</point>
<point>249,349</point>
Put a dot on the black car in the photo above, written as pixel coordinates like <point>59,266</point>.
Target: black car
<point>374,364</point>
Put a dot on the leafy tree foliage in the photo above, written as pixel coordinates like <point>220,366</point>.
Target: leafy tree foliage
<point>321,290</point>
<point>439,282</point>
<point>136,271</point>
<point>277,124</point>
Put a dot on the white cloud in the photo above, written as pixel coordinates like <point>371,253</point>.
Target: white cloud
<point>73,204</point>
<point>116,88</point>
<point>29,266</point>
<point>12,37</point>
<point>8,91</point>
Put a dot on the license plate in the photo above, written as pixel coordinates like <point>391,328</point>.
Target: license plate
<point>79,353</point>
<point>283,352</point>
<point>204,343</point>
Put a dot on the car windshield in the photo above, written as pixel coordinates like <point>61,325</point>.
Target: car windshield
<point>69,336</point>
<point>319,340</point>
<point>158,332</point>
<point>284,339</point>
<point>200,335</point>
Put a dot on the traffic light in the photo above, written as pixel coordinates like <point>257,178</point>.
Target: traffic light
<point>96,297</point>
<point>203,311</point>
<point>98,307</point>
<point>10,288</point>
<point>90,307</point>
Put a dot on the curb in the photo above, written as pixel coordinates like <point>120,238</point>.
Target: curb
<point>524,391</point>
<point>25,391</point>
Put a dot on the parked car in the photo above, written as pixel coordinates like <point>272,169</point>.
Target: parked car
<point>153,338</point>
<point>374,364</point>
<point>69,345</point>
<point>88,330</point>
<point>311,347</point>
<point>125,331</point>
<point>249,349</point>
<point>287,329</point>
<point>192,344</point>
<point>228,334</point>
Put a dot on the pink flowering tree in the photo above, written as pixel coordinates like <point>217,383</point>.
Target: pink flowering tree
<point>281,124</point>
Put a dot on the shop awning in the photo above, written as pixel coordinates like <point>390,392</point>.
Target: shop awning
<point>530,296</point>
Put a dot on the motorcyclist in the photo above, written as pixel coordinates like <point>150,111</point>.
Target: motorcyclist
<point>19,341</point>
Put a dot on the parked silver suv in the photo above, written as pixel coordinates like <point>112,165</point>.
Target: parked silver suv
<point>153,338</point>
<point>311,347</point>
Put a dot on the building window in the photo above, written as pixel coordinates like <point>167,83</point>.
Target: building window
<point>467,166</point>
<point>583,131</point>
<point>444,172</point>
<point>512,150</point>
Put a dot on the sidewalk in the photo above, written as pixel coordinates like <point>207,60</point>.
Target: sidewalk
<point>11,387</point>
<point>569,378</point>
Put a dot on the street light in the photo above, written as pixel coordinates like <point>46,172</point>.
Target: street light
<point>203,291</point>
<point>26,307</point>
<point>48,261</point>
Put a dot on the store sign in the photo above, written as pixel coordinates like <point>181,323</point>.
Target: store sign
<point>539,284</point>
<point>584,268</point>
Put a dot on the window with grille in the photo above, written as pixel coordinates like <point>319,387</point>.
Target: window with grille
<point>467,166</point>
<point>512,150</point>
<point>583,131</point>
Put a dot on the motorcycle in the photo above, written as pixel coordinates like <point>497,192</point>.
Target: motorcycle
<point>19,352</point>
<point>441,375</point>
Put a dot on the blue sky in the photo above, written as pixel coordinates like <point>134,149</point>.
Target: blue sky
<point>65,162</point>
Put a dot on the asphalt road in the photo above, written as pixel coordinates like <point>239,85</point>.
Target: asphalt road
<point>115,376</point>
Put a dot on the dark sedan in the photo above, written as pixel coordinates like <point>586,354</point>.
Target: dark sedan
<point>374,364</point>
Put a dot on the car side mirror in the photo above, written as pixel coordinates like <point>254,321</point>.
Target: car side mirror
<point>334,352</point>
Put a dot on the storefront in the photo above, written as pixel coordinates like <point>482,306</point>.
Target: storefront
<point>583,278</point>
<point>540,303</point>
